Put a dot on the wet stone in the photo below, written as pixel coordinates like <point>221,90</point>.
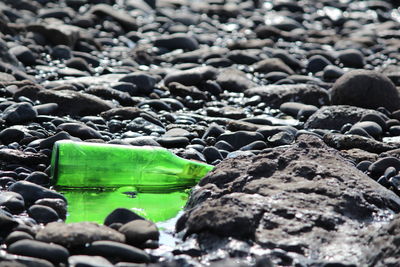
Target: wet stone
<point>351,89</point>
<point>14,202</point>
<point>16,236</point>
<point>121,215</point>
<point>51,252</point>
<point>138,232</point>
<point>77,235</point>
<point>42,214</point>
<point>57,204</point>
<point>111,249</point>
<point>19,113</point>
<point>32,192</point>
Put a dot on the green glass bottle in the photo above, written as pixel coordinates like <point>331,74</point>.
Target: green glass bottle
<point>148,169</point>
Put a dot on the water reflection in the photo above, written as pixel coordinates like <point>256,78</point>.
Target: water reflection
<point>94,205</point>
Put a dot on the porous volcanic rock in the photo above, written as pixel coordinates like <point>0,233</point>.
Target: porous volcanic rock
<point>303,200</point>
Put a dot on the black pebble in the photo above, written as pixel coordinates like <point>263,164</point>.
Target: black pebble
<point>42,214</point>
<point>211,154</point>
<point>121,215</point>
<point>378,167</point>
<point>32,248</point>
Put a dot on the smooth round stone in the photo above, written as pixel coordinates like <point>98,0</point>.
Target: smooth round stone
<point>256,145</point>
<point>19,113</point>
<point>11,135</point>
<point>366,89</point>
<point>224,146</point>
<point>317,63</point>
<point>197,147</point>
<point>32,192</point>
<point>359,131</point>
<point>61,52</point>
<point>121,215</point>
<point>394,130</point>
<point>375,118</point>
<point>372,128</point>
<point>6,181</point>
<point>32,248</point>
<point>240,138</point>
<point>14,202</point>
<point>198,141</point>
<point>364,165</point>
<point>138,232</point>
<point>346,127</point>
<point>39,178</point>
<point>378,167</point>
<point>352,58</point>
<point>214,130</point>
<point>389,172</point>
<point>392,122</point>
<point>384,181</point>
<point>211,154</point>
<point>275,76</point>
<point>42,214</point>
<point>296,109</point>
<point>111,249</point>
<point>173,141</point>
<point>58,205</point>
<point>16,236</point>
<point>332,72</point>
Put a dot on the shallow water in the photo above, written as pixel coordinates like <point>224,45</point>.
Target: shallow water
<point>94,205</point>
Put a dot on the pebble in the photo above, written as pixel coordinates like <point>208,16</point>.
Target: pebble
<point>19,113</point>
<point>32,192</point>
<point>14,202</point>
<point>351,89</point>
<point>80,130</point>
<point>32,248</point>
<point>39,178</point>
<point>351,58</point>
<point>16,236</point>
<point>317,63</point>
<point>121,215</point>
<point>11,135</point>
<point>212,154</point>
<point>42,214</point>
<point>378,167</point>
<point>177,41</point>
<point>77,235</point>
<point>137,232</point>
<point>240,138</point>
<point>111,249</point>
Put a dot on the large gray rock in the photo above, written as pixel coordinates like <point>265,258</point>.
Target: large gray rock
<point>303,202</point>
<point>384,249</point>
<point>275,95</point>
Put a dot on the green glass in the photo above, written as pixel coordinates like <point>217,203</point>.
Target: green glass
<point>94,205</point>
<point>148,169</point>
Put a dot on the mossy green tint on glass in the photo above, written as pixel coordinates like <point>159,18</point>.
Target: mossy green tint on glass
<point>148,169</point>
